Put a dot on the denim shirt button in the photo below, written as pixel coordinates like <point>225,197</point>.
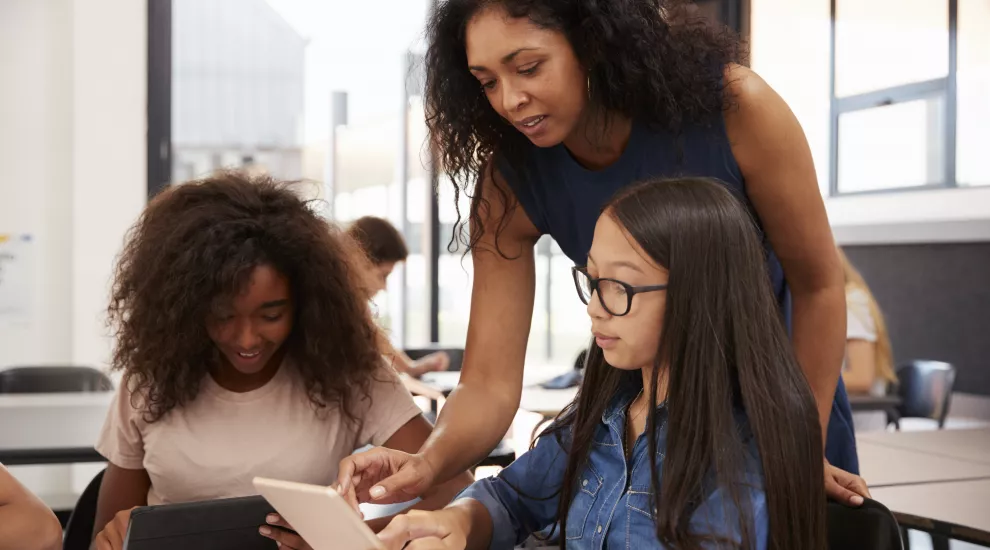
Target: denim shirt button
<point>599,528</point>
<point>584,483</point>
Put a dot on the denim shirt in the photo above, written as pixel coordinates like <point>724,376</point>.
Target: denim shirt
<point>612,507</point>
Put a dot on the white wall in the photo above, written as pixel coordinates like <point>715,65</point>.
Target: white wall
<point>109,184</point>
<point>72,163</point>
<point>790,50</point>
<point>35,171</point>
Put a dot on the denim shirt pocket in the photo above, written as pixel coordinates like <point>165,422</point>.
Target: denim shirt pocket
<point>638,502</point>
<point>583,502</point>
<point>641,530</point>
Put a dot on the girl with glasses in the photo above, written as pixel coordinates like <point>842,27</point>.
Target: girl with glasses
<point>694,427</point>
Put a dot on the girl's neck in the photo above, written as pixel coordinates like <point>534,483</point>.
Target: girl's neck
<point>599,139</point>
<point>231,379</point>
<point>647,373</point>
<point>638,412</point>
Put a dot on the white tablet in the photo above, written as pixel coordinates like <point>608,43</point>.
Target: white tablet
<point>320,515</point>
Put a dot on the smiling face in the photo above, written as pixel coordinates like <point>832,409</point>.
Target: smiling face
<point>530,75</point>
<point>250,330</point>
<point>630,341</point>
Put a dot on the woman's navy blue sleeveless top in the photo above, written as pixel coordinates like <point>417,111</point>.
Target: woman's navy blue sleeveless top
<point>563,199</point>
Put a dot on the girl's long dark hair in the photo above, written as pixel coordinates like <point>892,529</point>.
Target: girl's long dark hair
<point>723,347</point>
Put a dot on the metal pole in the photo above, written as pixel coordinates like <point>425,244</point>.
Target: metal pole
<point>402,176</point>
<point>338,117</point>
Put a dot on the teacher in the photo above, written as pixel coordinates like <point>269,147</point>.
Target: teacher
<point>541,110</point>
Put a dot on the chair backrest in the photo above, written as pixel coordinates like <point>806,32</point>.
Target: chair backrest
<point>79,529</point>
<point>456,355</point>
<point>868,527</point>
<point>53,380</point>
<point>925,388</point>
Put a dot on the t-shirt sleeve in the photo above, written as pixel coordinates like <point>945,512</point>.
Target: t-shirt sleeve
<point>389,408</point>
<point>859,320</point>
<point>121,440</point>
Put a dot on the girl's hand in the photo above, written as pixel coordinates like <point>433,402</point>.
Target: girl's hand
<point>281,532</point>
<point>112,536</point>
<point>841,486</point>
<point>434,362</point>
<point>417,530</point>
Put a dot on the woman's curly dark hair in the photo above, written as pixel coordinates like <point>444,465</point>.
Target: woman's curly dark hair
<point>196,245</point>
<point>640,65</point>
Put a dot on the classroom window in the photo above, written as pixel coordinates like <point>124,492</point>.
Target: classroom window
<point>909,82</point>
<point>897,145</point>
<point>886,43</point>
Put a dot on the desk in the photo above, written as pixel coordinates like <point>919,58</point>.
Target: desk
<point>67,455</point>
<point>887,403</point>
<point>549,403</point>
<point>51,428</point>
<point>971,445</point>
<point>534,398</point>
<point>958,510</point>
<point>883,466</point>
<point>446,381</point>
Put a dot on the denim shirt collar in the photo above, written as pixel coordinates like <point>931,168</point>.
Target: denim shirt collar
<point>615,412</point>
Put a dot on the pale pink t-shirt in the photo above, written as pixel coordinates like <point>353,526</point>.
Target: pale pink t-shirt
<point>213,447</point>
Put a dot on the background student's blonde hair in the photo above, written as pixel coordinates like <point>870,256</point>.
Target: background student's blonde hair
<point>884,353</point>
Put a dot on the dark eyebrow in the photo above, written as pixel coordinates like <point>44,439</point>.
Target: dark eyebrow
<point>629,265</point>
<point>274,303</point>
<point>506,59</point>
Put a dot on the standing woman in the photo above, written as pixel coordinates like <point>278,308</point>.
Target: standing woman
<point>541,110</point>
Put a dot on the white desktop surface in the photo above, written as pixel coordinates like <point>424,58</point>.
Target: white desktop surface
<point>52,420</point>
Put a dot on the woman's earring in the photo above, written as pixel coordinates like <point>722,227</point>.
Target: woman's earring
<point>589,87</point>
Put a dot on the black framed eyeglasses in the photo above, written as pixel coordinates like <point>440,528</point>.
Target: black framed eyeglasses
<point>614,295</point>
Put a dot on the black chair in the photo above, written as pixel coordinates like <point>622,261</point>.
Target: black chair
<point>79,528</point>
<point>925,389</point>
<point>456,355</point>
<point>53,380</point>
<point>868,527</point>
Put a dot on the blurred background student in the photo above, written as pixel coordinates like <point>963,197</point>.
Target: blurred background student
<point>869,363</point>
<point>385,248</point>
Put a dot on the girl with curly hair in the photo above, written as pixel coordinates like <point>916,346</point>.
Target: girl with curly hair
<point>247,350</point>
<point>540,111</point>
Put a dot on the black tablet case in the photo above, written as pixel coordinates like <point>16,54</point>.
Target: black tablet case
<point>226,524</point>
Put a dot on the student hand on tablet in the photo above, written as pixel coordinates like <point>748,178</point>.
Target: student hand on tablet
<point>283,535</point>
<point>385,476</point>
<point>439,530</point>
<point>112,536</point>
<point>845,487</point>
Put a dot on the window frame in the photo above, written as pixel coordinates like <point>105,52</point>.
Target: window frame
<point>940,88</point>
